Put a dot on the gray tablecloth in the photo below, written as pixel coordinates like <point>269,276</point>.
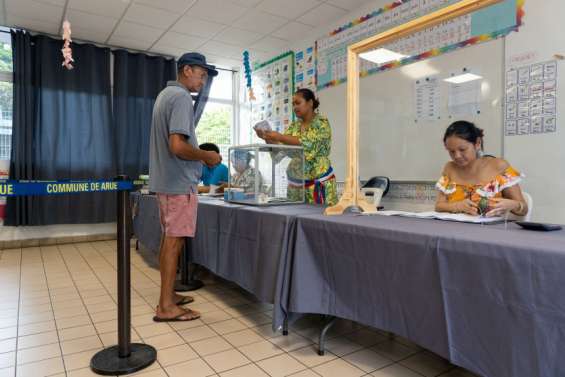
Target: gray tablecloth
<point>488,298</point>
<point>243,244</point>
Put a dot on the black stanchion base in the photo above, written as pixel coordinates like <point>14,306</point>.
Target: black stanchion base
<point>108,362</point>
<point>190,285</point>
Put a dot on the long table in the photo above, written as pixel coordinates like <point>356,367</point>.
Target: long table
<point>487,297</point>
<point>243,244</point>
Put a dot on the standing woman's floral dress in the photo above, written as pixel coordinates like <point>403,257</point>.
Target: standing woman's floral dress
<point>319,179</point>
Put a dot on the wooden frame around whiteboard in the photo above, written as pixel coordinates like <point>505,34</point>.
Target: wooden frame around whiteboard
<point>351,195</point>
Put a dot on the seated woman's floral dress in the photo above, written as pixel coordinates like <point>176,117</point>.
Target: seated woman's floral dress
<point>481,193</point>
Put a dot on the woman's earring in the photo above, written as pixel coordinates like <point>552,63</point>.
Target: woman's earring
<point>479,153</point>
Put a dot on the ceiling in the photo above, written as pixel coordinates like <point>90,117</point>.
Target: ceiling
<point>221,29</point>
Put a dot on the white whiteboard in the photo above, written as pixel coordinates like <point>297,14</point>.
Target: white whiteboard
<point>391,143</point>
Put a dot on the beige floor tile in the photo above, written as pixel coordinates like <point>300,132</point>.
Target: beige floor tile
<point>394,350</point>
<point>179,326</point>
<point>175,355</point>
<point>36,328</point>
<point>338,368</point>
<point>84,372</point>
<point>111,338</point>
<point>141,320</point>
<point>41,368</point>
<point>282,365</point>
<point>211,345</point>
<point>260,350</point>
<point>366,337</point>
<point>255,319</point>
<point>250,370</point>
<point>197,368</point>
<point>35,318</point>
<point>291,342</point>
<point>8,372</point>
<point>197,333</point>
<point>65,323</point>
<point>79,360</point>
<point>204,307</point>
<point>342,346</point>
<point>229,326</point>
<point>7,359</point>
<point>109,326</point>
<point>77,332</point>
<point>37,340</point>
<point>30,355</point>
<point>395,370</point>
<point>165,340</point>
<point>458,372</point>
<point>107,315</point>
<point>81,344</point>
<point>40,308</point>
<point>309,356</point>
<point>226,360</point>
<point>243,337</point>
<point>215,316</point>
<point>367,360</point>
<point>151,373</point>
<point>427,364</point>
<point>266,331</point>
<point>153,330</point>
<point>9,332</point>
<point>305,373</point>
<point>10,322</point>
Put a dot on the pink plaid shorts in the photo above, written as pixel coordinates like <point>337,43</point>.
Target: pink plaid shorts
<point>178,214</point>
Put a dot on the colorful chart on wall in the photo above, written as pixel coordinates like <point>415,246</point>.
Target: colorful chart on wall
<point>305,68</point>
<point>484,25</point>
<point>273,85</point>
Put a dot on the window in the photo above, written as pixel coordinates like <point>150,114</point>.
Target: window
<point>217,122</point>
<point>5,96</point>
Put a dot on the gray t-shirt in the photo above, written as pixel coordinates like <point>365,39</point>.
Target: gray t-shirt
<point>173,113</point>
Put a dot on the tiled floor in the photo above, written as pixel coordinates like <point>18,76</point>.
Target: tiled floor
<point>58,308</point>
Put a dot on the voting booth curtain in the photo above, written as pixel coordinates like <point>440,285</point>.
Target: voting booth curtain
<point>62,129</point>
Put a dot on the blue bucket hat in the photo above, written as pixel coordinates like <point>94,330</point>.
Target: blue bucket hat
<point>194,58</point>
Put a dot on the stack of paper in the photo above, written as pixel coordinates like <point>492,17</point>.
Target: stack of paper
<point>443,216</point>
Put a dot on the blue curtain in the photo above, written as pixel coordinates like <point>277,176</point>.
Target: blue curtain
<point>138,79</point>
<point>63,129</point>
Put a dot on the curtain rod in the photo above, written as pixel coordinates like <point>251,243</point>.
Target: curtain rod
<point>111,47</point>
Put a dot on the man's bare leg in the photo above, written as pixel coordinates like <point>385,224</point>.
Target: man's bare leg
<point>171,248</point>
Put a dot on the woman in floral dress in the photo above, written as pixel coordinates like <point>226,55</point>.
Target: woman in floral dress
<point>475,184</point>
<point>312,131</point>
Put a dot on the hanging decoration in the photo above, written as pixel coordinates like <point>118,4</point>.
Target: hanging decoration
<point>247,69</point>
<point>66,50</point>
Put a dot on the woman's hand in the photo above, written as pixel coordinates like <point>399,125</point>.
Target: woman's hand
<point>501,206</point>
<point>466,206</point>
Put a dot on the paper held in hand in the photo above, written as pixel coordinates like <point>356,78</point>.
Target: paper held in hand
<point>262,125</point>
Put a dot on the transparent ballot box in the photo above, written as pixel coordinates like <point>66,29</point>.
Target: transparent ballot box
<point>265,174</point>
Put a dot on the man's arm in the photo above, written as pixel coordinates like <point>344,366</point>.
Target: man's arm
<point>180,148</point>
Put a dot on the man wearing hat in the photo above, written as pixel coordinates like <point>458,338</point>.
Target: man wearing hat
<point>175,165</point>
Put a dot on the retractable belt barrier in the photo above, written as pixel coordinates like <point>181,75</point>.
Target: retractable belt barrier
<point>126,357</point>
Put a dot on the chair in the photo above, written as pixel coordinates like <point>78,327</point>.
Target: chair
<point>378,182</point>
<point>529,203</point>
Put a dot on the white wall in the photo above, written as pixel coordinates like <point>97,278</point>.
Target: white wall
<point>541,157</point>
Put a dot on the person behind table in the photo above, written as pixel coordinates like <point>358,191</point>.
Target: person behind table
<point>244,176</point>
<point>175,165</point>
<point>213,175</point>
<point>312,131</point>
<point>475,184</point>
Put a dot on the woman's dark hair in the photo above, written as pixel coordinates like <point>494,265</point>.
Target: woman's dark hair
<point>210,147</point>
<point>464,130</point>
<point>308,95</point>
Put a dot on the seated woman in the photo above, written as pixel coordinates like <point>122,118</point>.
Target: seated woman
<point>312,131</point>
<point>475,184</point>
<point>244,176</point>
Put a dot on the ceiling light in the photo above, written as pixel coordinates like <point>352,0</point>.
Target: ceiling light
<point>381,56</point>
<point>464,77</point>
